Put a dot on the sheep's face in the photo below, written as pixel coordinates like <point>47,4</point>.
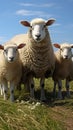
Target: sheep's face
<point>65,50</point>
<point>38,28</point>
<point>10,53</point>
<point>38,32</point>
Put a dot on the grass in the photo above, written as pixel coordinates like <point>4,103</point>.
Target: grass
<point>26,115</point>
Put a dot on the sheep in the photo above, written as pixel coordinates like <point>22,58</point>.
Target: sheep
<point>63,67</point>
<point>38,55</point>
<point>10,68</point>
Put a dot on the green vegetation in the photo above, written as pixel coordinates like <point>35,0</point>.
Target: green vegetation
<point>26,115</point>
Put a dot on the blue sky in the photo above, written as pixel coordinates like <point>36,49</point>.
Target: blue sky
<point>12,11</point>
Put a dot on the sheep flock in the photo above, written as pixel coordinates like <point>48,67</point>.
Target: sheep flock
<point>31,55</point>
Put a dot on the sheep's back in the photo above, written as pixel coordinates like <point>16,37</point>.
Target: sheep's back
<point>21,38</point>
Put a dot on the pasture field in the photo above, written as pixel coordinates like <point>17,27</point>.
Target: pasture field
<point>24,114</point>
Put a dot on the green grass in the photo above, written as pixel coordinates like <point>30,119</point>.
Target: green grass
<point>25,115</point>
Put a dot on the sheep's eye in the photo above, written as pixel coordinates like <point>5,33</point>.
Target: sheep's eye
<point>31,27</point>
<point>5,51</point>
<point>61,49</point>
<point>16,49</point>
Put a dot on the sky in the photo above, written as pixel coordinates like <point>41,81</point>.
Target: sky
<point>13,11</point>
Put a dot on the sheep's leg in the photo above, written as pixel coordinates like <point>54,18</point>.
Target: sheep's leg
<point>5,89</point>
<point>59,89</point>
<point>1,89</point>
<point>27,85</point>
<point>54,89</point>
<point>31,87</point>
<point>12,91</point>
<point>42,81</point>
<point>67,88</point>
<point>18,87</point>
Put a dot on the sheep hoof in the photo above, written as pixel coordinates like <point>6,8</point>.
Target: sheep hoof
<point>31,100</point>
<point>60,96</point>
<point>68,95</point>
<point>54,94</point>
<point>43,99</point>
<point>12,99</point>
<point>5,97</point>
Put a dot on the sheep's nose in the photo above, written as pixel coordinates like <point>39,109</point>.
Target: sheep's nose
<point>66,57</point>
<point>38,36</point>
<point>11,58</point>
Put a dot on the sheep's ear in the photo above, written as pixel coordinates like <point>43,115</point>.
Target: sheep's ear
<point>25,23</point>
<point>21,45</point>
<point>1,47</point>
<point>56,45</point>
<point>72,46</point>
<point>50,22</point>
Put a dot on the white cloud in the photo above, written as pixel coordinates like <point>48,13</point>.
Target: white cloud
<point>23,12</point>
<point>27,12</point>
<point>36,5</point>
<point>27,4</point>
<point>56,24</point>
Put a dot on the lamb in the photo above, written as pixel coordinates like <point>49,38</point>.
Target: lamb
<point>63,67</point>
<point>10,68</point>
<point>38,55</point>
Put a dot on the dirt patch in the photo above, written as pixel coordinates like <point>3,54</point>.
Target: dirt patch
<point>64,115</point>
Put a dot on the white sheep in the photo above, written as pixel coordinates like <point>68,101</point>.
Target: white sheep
<point>38,55</point>
<point>10,68</point>
<point>63,67</point>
